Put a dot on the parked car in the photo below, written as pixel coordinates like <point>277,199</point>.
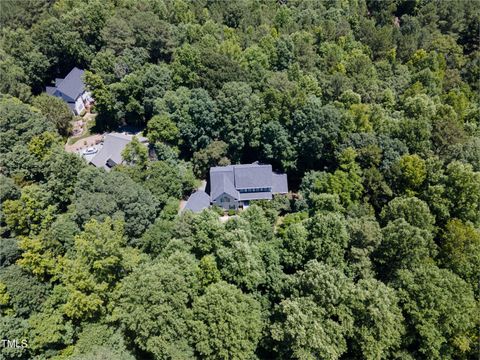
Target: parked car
<point>90,151</point>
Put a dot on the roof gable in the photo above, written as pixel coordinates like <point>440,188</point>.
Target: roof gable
<point>221,181</point>
<point>73,85</point>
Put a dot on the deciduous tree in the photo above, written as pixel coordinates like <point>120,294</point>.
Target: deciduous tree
<point>440,312</point>
<point>227,323</point>
<point>56,111</point>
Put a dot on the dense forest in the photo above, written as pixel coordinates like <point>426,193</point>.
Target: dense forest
<point>371,108</point>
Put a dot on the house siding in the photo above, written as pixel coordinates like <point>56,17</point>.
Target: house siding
<point>226,202</point>
<point>71,89</point>
<point>79,105</point>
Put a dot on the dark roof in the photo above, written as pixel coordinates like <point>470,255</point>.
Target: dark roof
<point>253,176</point>
<point>280,184</point>
<point>198,201</point>
<point>256,196</point>
<point>224,169</point>
<point>230,179</point>
<point>72,86</point>
<point>50,90</point>
<point>222,182</point>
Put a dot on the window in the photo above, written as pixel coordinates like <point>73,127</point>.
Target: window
<point>254,190</point>
<point>225,199</point>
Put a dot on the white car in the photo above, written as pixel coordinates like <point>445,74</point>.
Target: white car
<point>90,151</point>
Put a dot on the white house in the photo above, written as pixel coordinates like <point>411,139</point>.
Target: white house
<point>72,90</point>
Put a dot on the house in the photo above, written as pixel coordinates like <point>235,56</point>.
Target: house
<point>234,186</point>
<point>72,90</point>
<point>110,154</point>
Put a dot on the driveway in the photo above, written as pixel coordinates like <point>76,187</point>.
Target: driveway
<point>91,156</point>
<point>84,143</point>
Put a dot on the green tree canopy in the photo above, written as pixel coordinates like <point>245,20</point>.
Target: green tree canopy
<point>25,294</point>
<point>463,191</point>
<point>316,322</point>
<point>227,323</point>
<point>19,123</point>
<point>403,247</point>
<point>101,258</point>
<point>98,194</point>
<point>440,312</point>
<point>214,154</point>
<point>32,212</point>
<point>460,250</point>
<point>411,209</point>
<point>162,128</point>
<point>55,111</point>
<point>159,315</point>
<point>135,153</point>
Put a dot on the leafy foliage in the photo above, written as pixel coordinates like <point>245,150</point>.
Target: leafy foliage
<point>370,107</point>
<point>428,294</point>
<point>227,323</point>
<point>56,111</point>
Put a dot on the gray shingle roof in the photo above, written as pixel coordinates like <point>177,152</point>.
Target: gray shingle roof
<point>72,86</point>
<point>230,179</point>
<point>253,176</point>
<point>227,170</point>
<point>198,201</point>
<point>222,182</point>
<point>113,145</point>
<point>280,184</point>
<point>50,90</point>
